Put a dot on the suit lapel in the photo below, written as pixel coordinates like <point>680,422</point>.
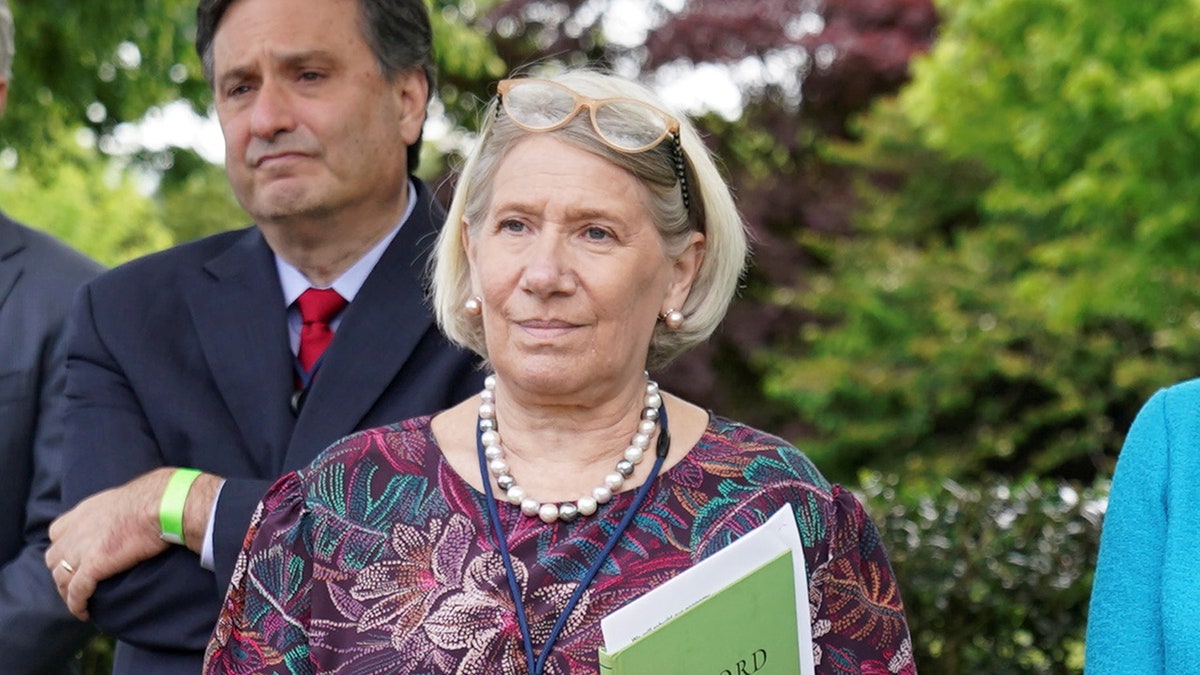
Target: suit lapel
<point>378,332</point>
<point>11,243</point>
<point>237,307</point>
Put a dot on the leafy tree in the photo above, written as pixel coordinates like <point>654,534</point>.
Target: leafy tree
<point>1029,281</point>
<point>87,201</point>
<point>95,65</point>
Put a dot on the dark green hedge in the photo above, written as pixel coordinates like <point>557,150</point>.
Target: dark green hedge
<point>995,578</point>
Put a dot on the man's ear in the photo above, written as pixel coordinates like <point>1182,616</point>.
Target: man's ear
<point>411,90</point>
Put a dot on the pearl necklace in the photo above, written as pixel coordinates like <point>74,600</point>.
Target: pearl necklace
<point>549,512</point>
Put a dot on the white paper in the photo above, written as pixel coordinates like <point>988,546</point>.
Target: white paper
<point>748,553</point>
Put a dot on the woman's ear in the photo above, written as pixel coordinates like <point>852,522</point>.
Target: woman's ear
<point>684,270</point>
<point>468,247</point>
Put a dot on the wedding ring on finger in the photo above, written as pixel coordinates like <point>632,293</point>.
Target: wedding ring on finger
<point>66,566</point>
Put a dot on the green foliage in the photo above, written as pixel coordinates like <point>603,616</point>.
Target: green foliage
<point>90,203</point>
<point>466,57</point>
<point>195,199</point>
<point>1023,276</point>
<point>95,64</point>
<point>995,578</point>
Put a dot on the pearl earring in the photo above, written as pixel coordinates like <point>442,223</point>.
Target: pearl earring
<point>673,318</point>
<point>473,306</point>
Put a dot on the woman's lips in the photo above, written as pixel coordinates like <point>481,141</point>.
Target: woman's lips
<point>546,328</point>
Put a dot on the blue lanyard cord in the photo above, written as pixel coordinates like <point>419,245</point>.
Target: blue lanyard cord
<point>306,376</point>
<point>661,449</point>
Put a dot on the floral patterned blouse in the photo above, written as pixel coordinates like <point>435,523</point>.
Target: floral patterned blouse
<point>379,558</point>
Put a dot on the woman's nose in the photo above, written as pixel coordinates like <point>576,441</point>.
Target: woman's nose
<point>547,266</point>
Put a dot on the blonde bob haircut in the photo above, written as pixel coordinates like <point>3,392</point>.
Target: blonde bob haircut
<point>712,212</point>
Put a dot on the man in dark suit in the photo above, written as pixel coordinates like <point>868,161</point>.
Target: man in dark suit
<point>38,277</point>
<point>194,377</point>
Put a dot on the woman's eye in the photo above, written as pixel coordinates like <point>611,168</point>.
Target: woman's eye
<point>596,233</point>
<point>512,226</point>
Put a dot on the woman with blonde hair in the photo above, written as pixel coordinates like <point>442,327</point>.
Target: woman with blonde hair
<point>591,239</point>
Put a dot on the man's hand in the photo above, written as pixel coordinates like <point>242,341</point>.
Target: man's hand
<point>111,531</point>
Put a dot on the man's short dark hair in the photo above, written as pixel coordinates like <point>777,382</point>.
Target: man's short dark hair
<point>397,31</point>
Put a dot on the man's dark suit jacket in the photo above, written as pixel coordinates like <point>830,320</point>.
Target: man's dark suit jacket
<point>38,278</point>
<point>182,358</point>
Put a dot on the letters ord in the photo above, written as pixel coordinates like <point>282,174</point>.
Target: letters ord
<point>757,660</point>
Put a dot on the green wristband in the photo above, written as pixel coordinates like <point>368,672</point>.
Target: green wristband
<point>170,509</point>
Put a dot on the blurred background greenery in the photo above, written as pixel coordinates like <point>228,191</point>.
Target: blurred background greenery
<point>973,219</point>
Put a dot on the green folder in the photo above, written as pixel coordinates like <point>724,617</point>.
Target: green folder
<point>746,628</point>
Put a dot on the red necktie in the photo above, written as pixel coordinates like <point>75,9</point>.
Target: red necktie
<point>317,308</point>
